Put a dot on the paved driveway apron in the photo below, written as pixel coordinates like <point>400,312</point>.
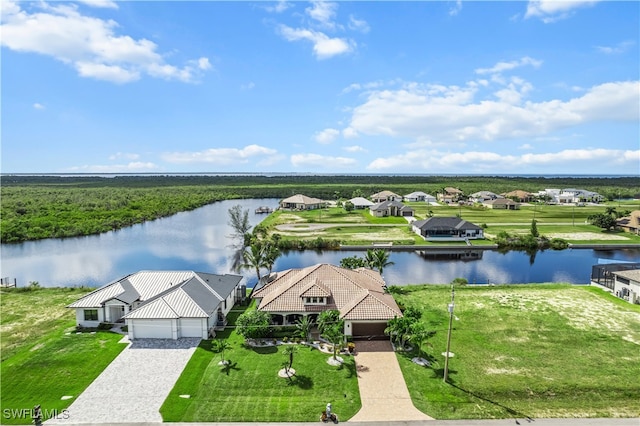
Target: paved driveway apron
<point>134,386</point>
<point>383,391</point>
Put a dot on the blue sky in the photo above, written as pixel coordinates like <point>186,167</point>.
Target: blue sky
<point>321,87</point>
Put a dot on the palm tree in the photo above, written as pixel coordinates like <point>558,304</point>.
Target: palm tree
<point>289,351</point>
<point>378,259</point>
<point>271,253</point>
<point>328,318</point>
<point>220,346</point>
<point>303,326</point>
<point>419,334</point>
<point>255,258</point>
<point>335,335</point>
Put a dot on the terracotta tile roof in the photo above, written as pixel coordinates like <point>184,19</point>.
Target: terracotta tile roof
<point>358,294</point>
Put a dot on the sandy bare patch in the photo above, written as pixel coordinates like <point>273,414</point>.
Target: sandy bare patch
<point>587,236</point>
<point>290,217</point>
<point>492,370</point>
<point>583,311</point>
<point>36,347</point>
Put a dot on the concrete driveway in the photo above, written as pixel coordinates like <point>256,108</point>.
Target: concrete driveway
<point>383,392</point>
<point>134,386</point>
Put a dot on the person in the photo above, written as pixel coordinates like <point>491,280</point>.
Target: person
<point>328,411</point>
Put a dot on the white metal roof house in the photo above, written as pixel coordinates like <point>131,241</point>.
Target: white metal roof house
<point>359,295</point>
<point>447,229</point>
<point>626,285</point>
<point>162,304</point>
<point>420,196</point>
<point>361,203</point>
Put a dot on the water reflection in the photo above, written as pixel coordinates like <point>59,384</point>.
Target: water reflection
<point>198,240</point>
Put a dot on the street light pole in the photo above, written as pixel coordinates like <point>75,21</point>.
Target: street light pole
<point>446,357</point>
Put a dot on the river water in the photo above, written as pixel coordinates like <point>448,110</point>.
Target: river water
<point>199,240</point>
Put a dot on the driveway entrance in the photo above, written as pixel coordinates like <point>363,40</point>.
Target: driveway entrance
<point>383,392</point>
<point>134,386</point>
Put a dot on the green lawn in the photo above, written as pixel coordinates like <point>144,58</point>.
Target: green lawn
<point>250,390</point>
<point>527,350</point>
<point>43,359</point>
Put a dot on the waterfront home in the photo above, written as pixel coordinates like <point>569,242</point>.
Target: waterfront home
<point>447,229</point>
<point>419,196</point>
<point>382,196</point>
<point>359,295</point>
<point>390,208</point>
<point>301,202</point>
<point>570,196</point>
<point>162,304</point>
<point>630,223</point>
<point>626,285</point>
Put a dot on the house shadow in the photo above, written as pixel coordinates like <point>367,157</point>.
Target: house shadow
<point>264,350</point>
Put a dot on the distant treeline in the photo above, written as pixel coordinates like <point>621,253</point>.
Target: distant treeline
<point>37,207</point>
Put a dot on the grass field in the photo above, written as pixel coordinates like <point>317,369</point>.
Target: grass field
<point>527,350</point>
<point>250,389</point>
<point>43,359</point>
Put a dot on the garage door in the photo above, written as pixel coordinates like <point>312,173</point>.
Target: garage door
<point>369,330</point>
<point>152,329</point>
<point>190,327</point>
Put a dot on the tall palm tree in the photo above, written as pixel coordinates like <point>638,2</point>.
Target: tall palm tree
<point>271,253</point>
<point>378,259</point>
<point>303,327</point>
<point>328,318</point>
<point>254,257</point>
<point>335,335</point>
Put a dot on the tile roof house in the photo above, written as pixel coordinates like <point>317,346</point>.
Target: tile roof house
<point>449,195</point>
<point>502,203</point>
<point>447,229</point>
<point>390,208</point>
<point>359,295</point>
<point>519,195</point>
<point>301,202</point>
<point>162,304</point>
<point>379,197</point>
<point>630,223</point>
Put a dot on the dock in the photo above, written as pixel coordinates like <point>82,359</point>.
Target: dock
<point>263,209</point>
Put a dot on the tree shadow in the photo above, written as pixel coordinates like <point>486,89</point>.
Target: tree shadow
<point>303,382</point>
<point>514,413</point>
<point>263,350</point>
<point>350,367</point>
<point>228,366</point>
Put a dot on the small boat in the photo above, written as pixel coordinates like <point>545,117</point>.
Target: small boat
<point>264,209</point>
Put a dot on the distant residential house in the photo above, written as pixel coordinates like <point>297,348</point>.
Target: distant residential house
<point>162,304</point>
<point>390,208</point>
<point>630,223</point>
<point>570,195</point>
<point>520,196</point>
<point>626,285</point>
<point>420,196</point>
<point>482,196</point>
<point>301,202</point>
<point>450,195</point>
<point>359,295</point>
<point>361,203</point>
<point>447,229</point>
<point>502,203</point>
<point>379,197</point>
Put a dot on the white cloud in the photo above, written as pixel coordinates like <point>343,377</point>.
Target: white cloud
<point>553,10</point>
<point>125,155</point>
<point>323,46</point>
<point>451,113</point>
<point>108,4</point>
<point>525,146</point>
<point>617,49</point>
<point>38,105</point>
<point>323,161</point>
<point>456,8</point>
<point>508,66</point>
<point>132,167</point>
<point>349,133</point>
<point>89,44</point>
<point>248,86</point>
<point>326,136</point>
<point>358,25</point>
<point>323,12</point>
<point>432,161</point>
<point>220,156</point>
<point>279,7</point>
<point>355,148</point>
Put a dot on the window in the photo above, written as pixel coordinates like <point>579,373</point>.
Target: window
<point>91,315</point>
